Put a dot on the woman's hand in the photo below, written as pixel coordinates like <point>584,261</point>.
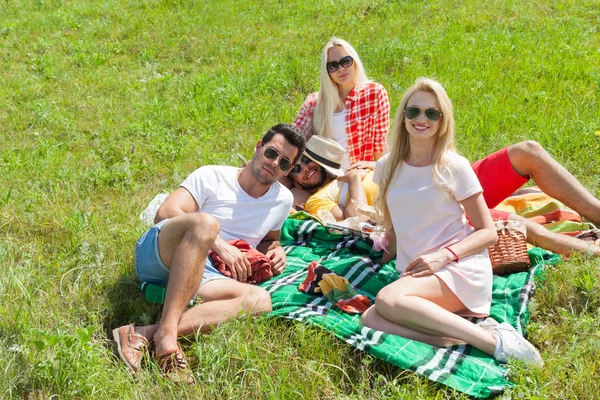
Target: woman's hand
<point>428,263</point>
<point>357,174</point>
<point>363,164</point>
<point>390,252</point>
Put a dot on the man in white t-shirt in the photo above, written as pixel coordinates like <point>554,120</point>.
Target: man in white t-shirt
<point>213,205</point>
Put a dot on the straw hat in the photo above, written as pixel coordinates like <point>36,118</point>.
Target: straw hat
<point>327,153</point>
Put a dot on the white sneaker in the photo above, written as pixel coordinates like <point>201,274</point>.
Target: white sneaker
<point>489,324</point>
<point>513,344</point>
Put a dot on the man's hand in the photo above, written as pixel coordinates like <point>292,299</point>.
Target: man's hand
<point>277,257</point>
<point>428,263</point>
<point>239,265</point>
<point>354,174</point>
<point>270,247</point>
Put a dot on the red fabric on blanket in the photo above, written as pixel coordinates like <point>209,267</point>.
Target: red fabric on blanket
<point>337,289</point>
<point>261,265</point>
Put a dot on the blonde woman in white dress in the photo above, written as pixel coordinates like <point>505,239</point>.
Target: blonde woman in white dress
<point>426,193</point>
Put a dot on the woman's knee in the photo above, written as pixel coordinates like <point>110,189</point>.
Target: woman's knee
<point>366,319</point>
<point>390,295</point>
<point>390,301</point>
<point>401,296</point>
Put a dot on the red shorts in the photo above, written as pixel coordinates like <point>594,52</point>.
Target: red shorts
<point>498,179</point>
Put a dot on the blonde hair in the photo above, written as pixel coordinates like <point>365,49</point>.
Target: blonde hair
<point>328,97</point>
<point>399,144</point>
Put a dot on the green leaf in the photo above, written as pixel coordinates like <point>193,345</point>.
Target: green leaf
<point>40,345</point>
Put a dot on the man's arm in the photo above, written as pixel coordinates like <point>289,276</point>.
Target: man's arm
<point>182,202</point>
<point>271,247</point>
<point>300,195</point>
<point>179,202</point>
<point>286,181</point>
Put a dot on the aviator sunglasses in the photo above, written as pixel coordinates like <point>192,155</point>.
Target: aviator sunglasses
<point>297,168</point>
<point>432,114</point>
<point>345,62</point>
<point>272,154</point>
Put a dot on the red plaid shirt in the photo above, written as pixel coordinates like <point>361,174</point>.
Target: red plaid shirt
<point>367,120</point>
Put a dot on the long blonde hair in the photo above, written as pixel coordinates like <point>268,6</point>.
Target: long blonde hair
<point>399,144</point>
<point>328,97</point>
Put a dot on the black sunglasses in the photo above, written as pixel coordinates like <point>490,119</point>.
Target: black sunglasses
<point>432,114</point>
<point>345,62</point>
<point>272,154</point>
<point>297,168</point>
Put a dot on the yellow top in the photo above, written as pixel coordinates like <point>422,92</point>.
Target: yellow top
<point>336,193</point>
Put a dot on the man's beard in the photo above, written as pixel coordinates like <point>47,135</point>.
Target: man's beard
<point>318,184</point>
<point>260,175</point>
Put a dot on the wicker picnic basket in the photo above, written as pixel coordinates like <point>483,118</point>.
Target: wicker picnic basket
<point>509,254</point>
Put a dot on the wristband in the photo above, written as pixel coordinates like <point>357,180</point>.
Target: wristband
<point>453,253</point>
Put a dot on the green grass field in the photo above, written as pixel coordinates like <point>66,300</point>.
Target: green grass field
<point>105,104</point>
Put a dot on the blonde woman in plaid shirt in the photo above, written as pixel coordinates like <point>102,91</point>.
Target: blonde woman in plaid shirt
<point>349,108</point>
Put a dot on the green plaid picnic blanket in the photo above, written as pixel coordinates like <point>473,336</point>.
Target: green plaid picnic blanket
<point>461,367</point>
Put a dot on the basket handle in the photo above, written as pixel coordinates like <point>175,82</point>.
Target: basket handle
<point>510,225</point>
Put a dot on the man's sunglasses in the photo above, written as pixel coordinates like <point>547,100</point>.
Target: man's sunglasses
<point>432,114</point>
<point>345,62</point>
<point>297,168</point>
<point>272,154</point>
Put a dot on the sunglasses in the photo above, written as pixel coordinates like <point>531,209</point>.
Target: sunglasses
<point>297,168</point>
<point>272,154</point>
<point>345,62</point>
<point>432,114</point>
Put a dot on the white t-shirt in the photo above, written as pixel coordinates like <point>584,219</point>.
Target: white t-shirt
<point>427,219</point>
<point>338,133</point>
<point>241,216</point>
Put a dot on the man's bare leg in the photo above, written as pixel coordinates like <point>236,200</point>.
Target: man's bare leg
<point>528,158</point>
<point>183,244</point>
<point>557,243</point>
<point>222,299</point>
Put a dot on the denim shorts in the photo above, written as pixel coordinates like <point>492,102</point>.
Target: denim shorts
<point>149,266</point>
